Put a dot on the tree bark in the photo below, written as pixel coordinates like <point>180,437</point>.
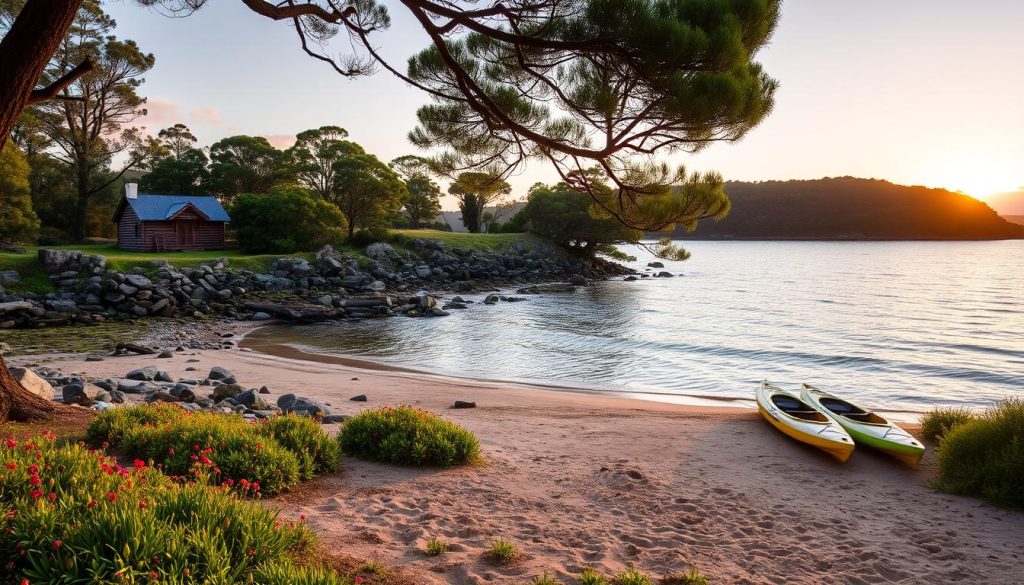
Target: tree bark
<point>25,51</point>
<point>19,405</point>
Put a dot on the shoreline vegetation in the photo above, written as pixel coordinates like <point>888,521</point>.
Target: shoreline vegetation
<point>697,493</point>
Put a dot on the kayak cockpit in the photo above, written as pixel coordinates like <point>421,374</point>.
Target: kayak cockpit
<point>852,412</point>
<point>797,409</point>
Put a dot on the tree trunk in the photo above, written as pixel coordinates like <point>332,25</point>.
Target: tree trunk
<point>25,51</point>
<point>19,405</point>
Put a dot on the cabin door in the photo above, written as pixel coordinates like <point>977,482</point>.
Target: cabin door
<point>186,233</point>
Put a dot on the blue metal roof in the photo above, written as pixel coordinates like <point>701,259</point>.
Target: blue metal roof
<point>163,207</point>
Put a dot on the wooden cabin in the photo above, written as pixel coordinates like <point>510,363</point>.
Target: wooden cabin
<point>161,223</point>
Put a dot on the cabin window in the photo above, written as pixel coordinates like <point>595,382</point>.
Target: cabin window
<point>138,230</point>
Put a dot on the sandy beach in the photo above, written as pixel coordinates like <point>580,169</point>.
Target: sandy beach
<point>577,480</point>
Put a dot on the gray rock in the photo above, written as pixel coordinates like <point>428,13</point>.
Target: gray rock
<point>226,391</point>
<point>219,373</point>
<point>663,275</point>
<point>138,281</point>
<point>630,278</point>
<point>464,404</point>
<point>264,390</point>
<point>147,374</point>
<point>260,316</point>
<point>9,276</point>
<point>359,398</point>
<point>333,419</point>
<point>166,354</point>
<point>117,397</point>
<point>163,376</point>
<point>655,265</point>
<point>33,383</point>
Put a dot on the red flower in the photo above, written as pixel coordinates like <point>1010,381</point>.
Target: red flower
<point>34,479</point>
<point>36,493</point>
<point>12,465</point>
<point>52,496</point>
<point>302,517</point>
<point>252,553</point>
<point>11,443</point>
<point>359,579</point>
<point>153,575</point>
<point>111,496</point>
<point>24,582</point>
<point>143,504</point>
<point>139,464</point>
<point>57,544</point>
<point>33,469</point>
<point>171,452</point>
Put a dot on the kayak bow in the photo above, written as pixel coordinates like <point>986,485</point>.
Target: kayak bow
<point>803,422</point>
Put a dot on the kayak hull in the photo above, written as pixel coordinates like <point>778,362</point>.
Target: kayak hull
<point>880,434</point>
<point>822,433</point>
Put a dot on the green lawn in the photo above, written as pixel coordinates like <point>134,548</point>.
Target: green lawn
<point>467,240</point>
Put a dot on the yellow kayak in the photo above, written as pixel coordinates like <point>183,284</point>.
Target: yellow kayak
<point>803,422</point>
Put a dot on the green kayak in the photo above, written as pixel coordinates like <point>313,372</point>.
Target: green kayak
<point>866,427</point>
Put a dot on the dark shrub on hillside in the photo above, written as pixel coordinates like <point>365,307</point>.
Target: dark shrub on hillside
<point>407,436</point>
<point>935,424</point>
<point>287,219</point>
<point>81,518</point>
<point>985,457</point>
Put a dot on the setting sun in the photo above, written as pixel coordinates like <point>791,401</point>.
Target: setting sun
<point>979,174</point>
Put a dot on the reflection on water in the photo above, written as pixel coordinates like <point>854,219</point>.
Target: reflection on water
<point>902,325</point>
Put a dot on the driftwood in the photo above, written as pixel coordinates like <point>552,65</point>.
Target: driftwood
<point>125,348</point>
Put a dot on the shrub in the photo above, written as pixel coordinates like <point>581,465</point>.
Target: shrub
<point>691,577</point>
<point>68,514</point>
<point>407,436</point>
<point>591,577</point>
<point>631,576</point>
<point>544,580</point>
<point>935,424</point>
<point>317,452</point>
<point>436,547</point>
<point>287,219</point>
<point>985,457</point>
<point>501,552</point>
<point>111,425</point>
<point>225,448</point>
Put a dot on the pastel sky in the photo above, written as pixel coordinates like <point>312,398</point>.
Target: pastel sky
<point>916,91</point>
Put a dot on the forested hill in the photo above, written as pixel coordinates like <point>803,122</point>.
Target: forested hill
<point>848,208</point>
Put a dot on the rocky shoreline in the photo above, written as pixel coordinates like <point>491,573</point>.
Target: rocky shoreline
<point>331,285</point>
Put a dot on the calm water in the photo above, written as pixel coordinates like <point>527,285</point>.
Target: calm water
<point>899,326</point>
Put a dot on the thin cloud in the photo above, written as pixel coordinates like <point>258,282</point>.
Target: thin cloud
<point>162,112</point>
<point>207,116</point>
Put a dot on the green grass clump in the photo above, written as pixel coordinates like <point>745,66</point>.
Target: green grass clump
<point>545,579</point>
<point>113,424</point>
<point>591,577</point>
<point>407,436</point>
<point>436,547</point>
<point>935,424</point>
<point>985,457</point>
<point>318,453</point>
<point>71,515</point>
<point>691,577</point>
<point>631,576</point>
<point>467,240</point>
<point>502,552</point>
<point>224,448</point>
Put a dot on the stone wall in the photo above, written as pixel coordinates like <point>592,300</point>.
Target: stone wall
<point>331,285</point>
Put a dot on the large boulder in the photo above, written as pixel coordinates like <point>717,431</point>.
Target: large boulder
<point>57,260</point>
<point>138,281</point>
<point>33,383</point>
<point>222,374</point>
<point>302,406</point>
<point>227,391</point>
<point>147,374</point>
<point>382,252</point>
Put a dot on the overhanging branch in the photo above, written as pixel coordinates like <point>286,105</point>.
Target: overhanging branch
<point>54,89</point>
